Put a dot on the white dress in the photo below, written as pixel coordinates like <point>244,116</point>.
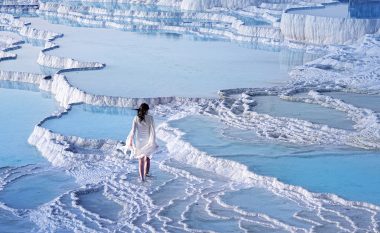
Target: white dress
<point>143,137</point>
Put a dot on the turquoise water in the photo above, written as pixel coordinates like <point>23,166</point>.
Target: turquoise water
<point>358,100</point>
<point>24,111</point>
<point>96,202</point>
<point>259,201</point>
<point>27,179</point>
<point>351,173</point>
<point>26,60</point>
<point>33,190</point>
<point>10,223</point>
<point>94,122</point>
<point>138,64</point>
<point>275,106</point>
<point>333,10</point>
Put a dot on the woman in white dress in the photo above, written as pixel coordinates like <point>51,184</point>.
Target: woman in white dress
<point>142,139</point>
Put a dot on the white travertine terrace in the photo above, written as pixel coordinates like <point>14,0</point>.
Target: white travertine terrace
<point>6,55</point>
<point>9,22</point>
<point>22,77</point>
<point>8,43</point>
<point>60,151</point>
<point>65,63</point>
<point>37,34</point>
<point>325,30</point>
<point>335,71</point>
<point>225,25</point>
<point>285,24</point>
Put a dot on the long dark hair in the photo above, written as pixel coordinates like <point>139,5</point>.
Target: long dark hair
<point>142,111</point>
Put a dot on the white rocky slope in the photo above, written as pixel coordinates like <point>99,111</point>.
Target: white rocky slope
<point>214,23</point>
<point>354,68</point>
<point>325,30</point>
<point>221,18</point>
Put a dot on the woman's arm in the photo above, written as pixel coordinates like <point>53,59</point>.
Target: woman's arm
<point>153,132</point>
<point>133,131</point>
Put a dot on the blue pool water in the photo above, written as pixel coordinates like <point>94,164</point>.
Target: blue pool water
<point>333,10</point>
<point>26,60</point>
<point>348,172</point>
<point>359,100</point>
<point>25,110</point>
<point>97,203</point>
<point>28,181</point>
<point>259,201</point>
<point>275,106</point>
<point>190,64</point>
<point>94,122</point>
<point>31,191</point>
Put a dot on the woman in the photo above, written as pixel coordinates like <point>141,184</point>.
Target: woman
<point>142,139</point>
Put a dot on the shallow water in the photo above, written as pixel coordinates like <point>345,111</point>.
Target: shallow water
<point>275,106</point>
<point>191,65</point>
<point>10,223</point>
<point>350,173</point>
<point>26,60</point>
<point>94,122</point>
<point>358,100</point>
<point>25,110</point>
<point>33,190</point>
<point>259,201</point>
<point>333,10</point>
<point>27,180</point>
<point>96,202</point>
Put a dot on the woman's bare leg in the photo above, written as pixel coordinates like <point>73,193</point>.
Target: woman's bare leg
<point>147,165</point>
<point>141,168</point>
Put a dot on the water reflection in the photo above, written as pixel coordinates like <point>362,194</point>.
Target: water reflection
<point>18,86</point>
